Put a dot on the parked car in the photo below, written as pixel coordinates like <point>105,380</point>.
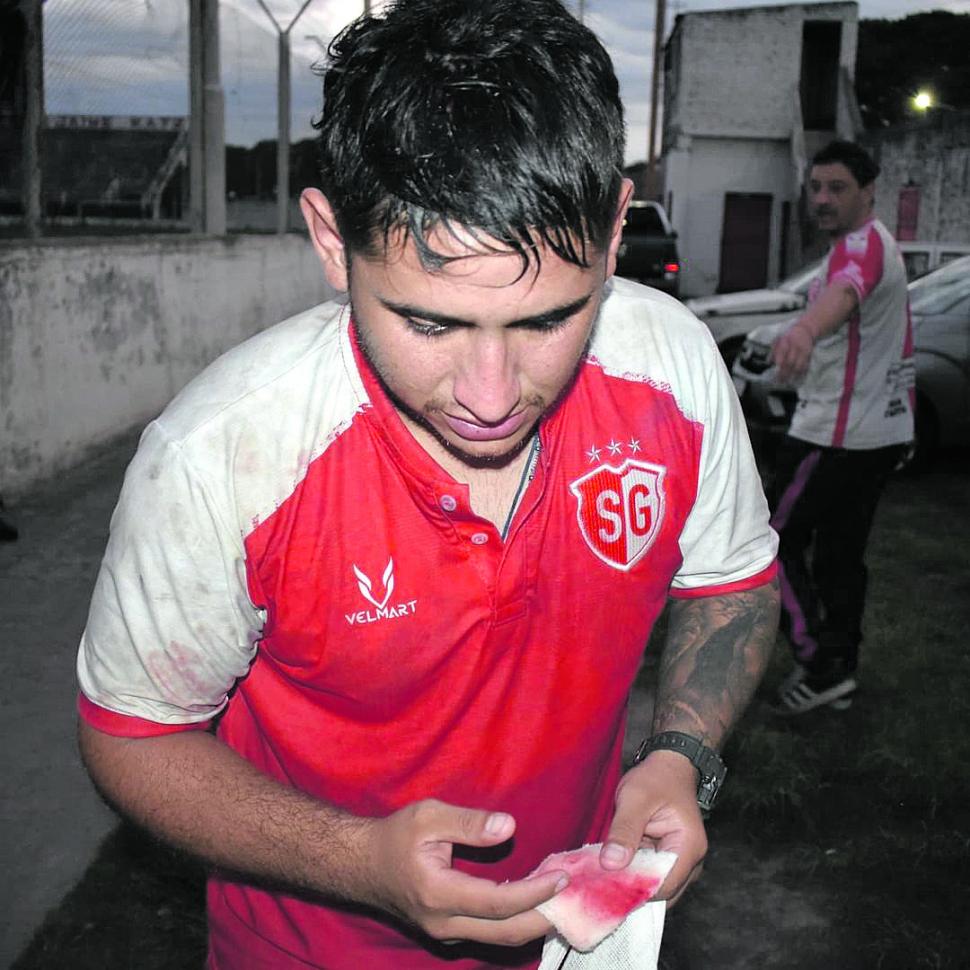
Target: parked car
<point>940,307</point>
<point>924,257</point>
<point>730,316</point>
<point>648,249</point>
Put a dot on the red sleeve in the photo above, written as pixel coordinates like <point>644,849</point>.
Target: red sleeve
<point>857,258</point>
<point>126,726</point>
<point>752,582</point>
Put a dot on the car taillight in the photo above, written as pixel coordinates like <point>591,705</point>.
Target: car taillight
<point>671,267</point>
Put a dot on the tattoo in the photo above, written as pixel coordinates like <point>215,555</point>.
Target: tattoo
<point>716,653</point>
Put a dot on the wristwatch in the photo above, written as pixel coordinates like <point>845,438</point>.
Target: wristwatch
<point>707,761</point>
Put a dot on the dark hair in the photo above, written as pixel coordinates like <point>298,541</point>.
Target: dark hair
<point>854,157</point>
<point>501,117</point>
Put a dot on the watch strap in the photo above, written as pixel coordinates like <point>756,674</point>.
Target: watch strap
<point>707,761</point>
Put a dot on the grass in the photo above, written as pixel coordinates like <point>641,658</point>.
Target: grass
<point>842,839</point>
<point>867,808</point>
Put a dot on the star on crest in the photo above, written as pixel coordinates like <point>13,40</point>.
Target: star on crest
<point>615,447</point>
<point>593,454</point>
<point>635,445</point>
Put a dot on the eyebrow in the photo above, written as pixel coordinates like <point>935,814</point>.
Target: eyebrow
<point>554,315</point>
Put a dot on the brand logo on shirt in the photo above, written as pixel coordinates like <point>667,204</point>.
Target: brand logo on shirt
<point>620,510</point>
<point>382,611</point>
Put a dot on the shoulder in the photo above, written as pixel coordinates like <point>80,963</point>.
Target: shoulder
<point>250,424</point>
<point>262,375</point>
<point>634,316</point>
<point>645,335</point>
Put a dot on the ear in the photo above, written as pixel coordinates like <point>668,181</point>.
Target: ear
<point>325,237</point>
<point>616,236</point>
<point>869,195</point>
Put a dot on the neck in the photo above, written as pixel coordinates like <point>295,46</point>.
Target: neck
<point>491,488</point>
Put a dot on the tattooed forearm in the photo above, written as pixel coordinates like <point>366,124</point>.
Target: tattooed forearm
<point>716,652</point>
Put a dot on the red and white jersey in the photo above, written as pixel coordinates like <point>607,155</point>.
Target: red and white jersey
<point>281,534</point>
<point>859,389</point>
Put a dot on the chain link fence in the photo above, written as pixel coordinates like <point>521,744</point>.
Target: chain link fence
<point>113,147</point>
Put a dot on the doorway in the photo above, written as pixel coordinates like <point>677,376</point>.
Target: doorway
<point>745,237</point>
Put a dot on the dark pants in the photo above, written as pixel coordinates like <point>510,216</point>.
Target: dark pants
<point>823,504</point>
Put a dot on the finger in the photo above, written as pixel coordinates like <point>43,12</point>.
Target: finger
<point>433,822</point>
<point>482,898</point>
<point>674,897</point>
<point>465,826</point>
<point>514,931</point>
<point>623,839</point>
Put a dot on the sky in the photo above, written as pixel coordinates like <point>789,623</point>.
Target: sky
<point>130,57</point>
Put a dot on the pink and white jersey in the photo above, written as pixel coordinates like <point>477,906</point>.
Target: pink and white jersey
<point>859,389</point>
<point>282,536</point>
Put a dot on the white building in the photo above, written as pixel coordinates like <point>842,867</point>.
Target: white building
<point>750,95</point>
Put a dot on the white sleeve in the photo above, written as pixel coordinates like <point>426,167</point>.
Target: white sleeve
<point>171,626</point>
<point>727,543</point>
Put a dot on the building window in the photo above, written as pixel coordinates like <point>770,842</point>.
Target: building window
<point>819,86</point>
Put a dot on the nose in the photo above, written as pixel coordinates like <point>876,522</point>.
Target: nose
<point>487,382</point>
<point>821,197</point>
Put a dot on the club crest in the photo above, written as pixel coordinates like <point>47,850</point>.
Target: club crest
<point>620,509</point>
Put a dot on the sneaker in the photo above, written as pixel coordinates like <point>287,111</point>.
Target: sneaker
<point>795,677</point>
<point>807,695</point>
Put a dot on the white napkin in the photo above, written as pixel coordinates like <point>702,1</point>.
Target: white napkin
<point>634,945</point>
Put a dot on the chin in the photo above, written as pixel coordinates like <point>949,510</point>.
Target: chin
<point>485,454</point>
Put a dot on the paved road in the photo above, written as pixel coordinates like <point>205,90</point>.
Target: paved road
<point>50,817</point>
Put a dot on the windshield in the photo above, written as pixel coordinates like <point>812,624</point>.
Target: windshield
<point>938,292</point>
<point>646,220</point>
<point>801,281</point>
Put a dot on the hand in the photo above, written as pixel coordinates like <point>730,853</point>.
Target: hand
<point>792,351</point>
<point>411,860</point>
<point>656,805</point>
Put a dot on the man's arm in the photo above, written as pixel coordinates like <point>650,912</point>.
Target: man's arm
<point>194,791</point>
<point>716,653</point>
<point>792,349</point>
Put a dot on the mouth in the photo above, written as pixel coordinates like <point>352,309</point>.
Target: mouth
<point>472,431</point>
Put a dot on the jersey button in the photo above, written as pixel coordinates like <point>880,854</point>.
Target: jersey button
<point>448,503</point>
<point>479,538</point>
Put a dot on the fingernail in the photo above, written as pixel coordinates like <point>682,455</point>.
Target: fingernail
<point>497,823</point>
<point>563,883</point>
<point>614,854</point>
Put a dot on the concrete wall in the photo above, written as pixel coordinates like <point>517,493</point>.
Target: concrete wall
<point>735,73</point>
<point>96,335</point>
<point>935,157</point>
<point>699,174</point>
<point>733,123</point>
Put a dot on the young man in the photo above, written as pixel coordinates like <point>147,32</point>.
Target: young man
<point>405,555</point>
<point>852,353</point>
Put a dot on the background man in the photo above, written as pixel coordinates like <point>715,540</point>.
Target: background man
<point>405,554</point>
<point>852,351</point>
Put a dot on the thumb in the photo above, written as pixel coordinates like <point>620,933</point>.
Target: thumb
<point>622,842</point>
<point>472,826</point>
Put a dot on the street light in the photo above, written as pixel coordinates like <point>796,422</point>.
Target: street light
<point>922,100</point>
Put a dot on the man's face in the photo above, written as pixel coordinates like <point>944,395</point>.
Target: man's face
<point>477,352</point>
<point>838,203</point>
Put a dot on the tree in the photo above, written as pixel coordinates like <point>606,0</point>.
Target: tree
<point>897,58</point>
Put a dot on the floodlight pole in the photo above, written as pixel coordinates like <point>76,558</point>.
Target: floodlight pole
<point>33,117</point>
<point>207,140</point>
<point>658,53</point>
<point>283,116</point>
